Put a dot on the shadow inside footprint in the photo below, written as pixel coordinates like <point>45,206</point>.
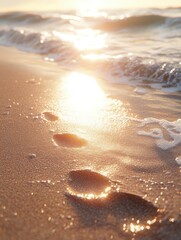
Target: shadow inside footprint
<point>128,205</point>
<point>87,182</point>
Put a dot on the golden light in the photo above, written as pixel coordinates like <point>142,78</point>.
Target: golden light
<point>89,39</point>
<point>137,226</point>
<point>134,228</point>
<point>84,39</point>
<point>91,195</point>
<point>84,104</point>
<point>83,91</point>
<point>94,57</point>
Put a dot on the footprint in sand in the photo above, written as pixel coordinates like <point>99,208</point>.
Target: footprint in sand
<point>69,140</point>
<point>50,116</point>
<point>64,139</point>
<point>91,189</point>
<point>88,184</point>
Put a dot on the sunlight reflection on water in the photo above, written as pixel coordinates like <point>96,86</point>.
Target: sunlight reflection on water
<point>84,39</point>
<point>86,104</point>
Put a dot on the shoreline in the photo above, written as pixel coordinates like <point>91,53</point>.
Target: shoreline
<point>32,196</point>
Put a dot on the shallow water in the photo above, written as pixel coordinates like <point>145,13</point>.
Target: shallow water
<point>135,47</point>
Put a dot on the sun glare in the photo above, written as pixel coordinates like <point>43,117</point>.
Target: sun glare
<point>83,90</point>
<point>84,39</point>
<point>84,99</point>
<point>89,39</point>
<point>85,104</point>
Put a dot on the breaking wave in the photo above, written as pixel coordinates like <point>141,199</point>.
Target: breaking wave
<point>33,32</point>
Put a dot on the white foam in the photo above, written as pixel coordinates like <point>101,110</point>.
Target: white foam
<point>178,160</point>
<point>172,89</point>
<point>155,133</point>
<point>173,130</point>
<point>141,91</point>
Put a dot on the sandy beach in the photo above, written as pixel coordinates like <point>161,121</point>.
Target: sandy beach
<point>39,102</point>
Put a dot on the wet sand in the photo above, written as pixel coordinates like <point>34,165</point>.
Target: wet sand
<point>35,170</point>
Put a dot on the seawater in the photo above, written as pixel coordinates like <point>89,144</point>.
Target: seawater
<point>140,47</point>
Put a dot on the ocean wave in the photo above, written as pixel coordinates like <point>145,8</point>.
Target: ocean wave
<point>137,70</point>
<point>142,21</point>
<point>101,23</point>
<point>132,71</point>
<point>24,18</point>
<point>174,22</point>
<point>36,42</point>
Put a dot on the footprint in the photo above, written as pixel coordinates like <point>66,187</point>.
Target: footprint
<point>50,116</point>
<point>88,184</point>
<point>69,140</point>
<point>91,189</point>
<point>130,206</point>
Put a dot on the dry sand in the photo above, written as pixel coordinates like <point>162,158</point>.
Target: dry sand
<point>34,171</point>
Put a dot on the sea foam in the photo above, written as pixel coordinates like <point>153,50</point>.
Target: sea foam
<point>173,130</point>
